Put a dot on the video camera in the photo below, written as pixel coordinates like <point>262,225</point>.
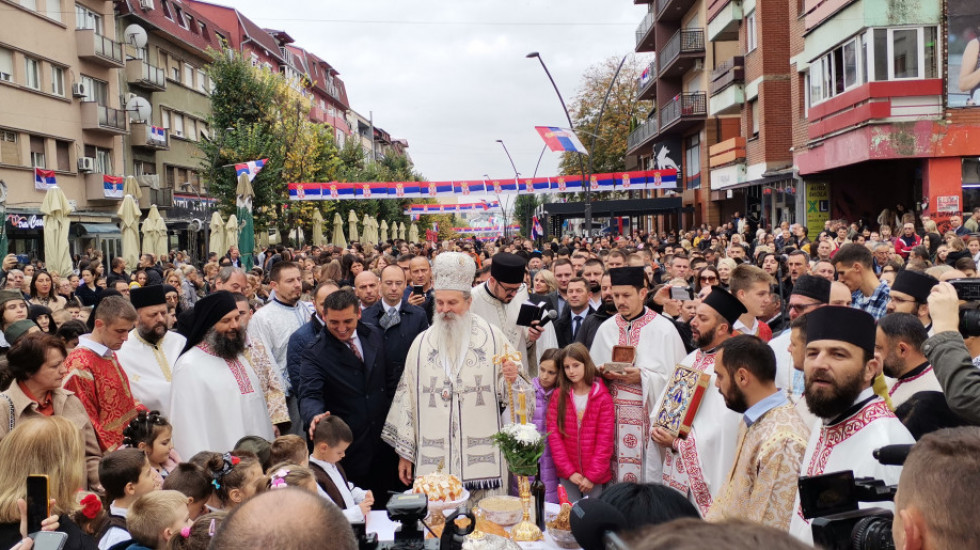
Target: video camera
<point>831,501</point>
<point>410,509</point>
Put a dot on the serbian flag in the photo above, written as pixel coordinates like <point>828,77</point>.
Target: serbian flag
<point>401,189</point>
<point>158,134</point>
<point>337,191</point>
<point>561,139</point>
<point>535,185</point>
<point>602,182</point>
<point>305,191</point>
<point>368,190</point>
<point>661,179</point>
<point>251,168</point>
<point>44,179</point>
<point>502,186</point>
<point>468,187</point>
<point>112,187</point>
<point>536,230</point>
<point>566,184</point>
<point>435,188</point>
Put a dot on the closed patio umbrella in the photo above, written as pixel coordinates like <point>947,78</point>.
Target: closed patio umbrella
<point>401,230</point>
<point>318,239</point>
<point>129,214</point>
<point>384,231</point>
<point>56,209</point>
<point>352,221</point>
<point>217,241</point>
<point>413,233</point>
<point>338,231</point>
<point>231,233</point>
<point>246,236</point>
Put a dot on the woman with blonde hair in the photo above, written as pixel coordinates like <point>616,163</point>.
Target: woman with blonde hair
<point>725,268</point>
<point>545,282</point>
<point>42,445</point>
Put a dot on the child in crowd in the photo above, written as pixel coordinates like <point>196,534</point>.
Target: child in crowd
<point>191,480</point>
<point>41,315</point>
<point>331,438</point>
<point>69,333</point>
<point>289,448</point>
<point>89,514</point>
<point>544,387</point>
<point>157,517</point>
<point>236,477</point>
<point>257,446</point>
<point>151,433</point>
<point>285,474</point>
<point>126,475</point>
<point>581,425</point>
<point>198,537</point>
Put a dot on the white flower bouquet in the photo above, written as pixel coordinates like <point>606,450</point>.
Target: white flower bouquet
<point>522,446</point>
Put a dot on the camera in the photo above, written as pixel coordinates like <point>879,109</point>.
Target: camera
<point>966,289</point>
<point>410,509</point>
<point>831,501</point>
<point>970,319</point>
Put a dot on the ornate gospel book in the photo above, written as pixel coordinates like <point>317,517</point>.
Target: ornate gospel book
<point>679,405</point>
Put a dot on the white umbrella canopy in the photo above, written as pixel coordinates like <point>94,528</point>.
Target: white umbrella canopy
<point>413,233</point>
<point>155,234</point>
<point>56,209</point>
<point>338,231</point>
<point>130,214</point>
<point>370,237</point>
<point>231,233</point>
<point>217,242</point>
<point>352,221</point>
<point>401,230</point>
<point>131,187</point>
<point>318,239</point>
<point>384,231</point>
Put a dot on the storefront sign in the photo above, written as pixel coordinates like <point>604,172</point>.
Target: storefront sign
<point>817,207</point>
<point>19,221</point>
<point>727,176</point>
<point>949,204</point>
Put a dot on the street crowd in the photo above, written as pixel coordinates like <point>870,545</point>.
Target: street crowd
<point>183,406</point>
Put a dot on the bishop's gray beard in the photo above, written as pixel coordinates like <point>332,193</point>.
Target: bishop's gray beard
<point>226,345</point>
<point>449,330</point>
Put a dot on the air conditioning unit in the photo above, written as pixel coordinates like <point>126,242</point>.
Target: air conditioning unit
<point>86,164</point>
<point>78,89</point>
<point>6,77</point>
<point>146,4</point>
<point>164,198</point>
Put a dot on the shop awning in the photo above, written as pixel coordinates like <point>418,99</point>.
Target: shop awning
<point>81,229</point>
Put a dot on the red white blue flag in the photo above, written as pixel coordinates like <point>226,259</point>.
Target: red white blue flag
<point>561,139</point>
<point>112,187</point>
<point>44,179</point>
<point>536,230</point>
<point>251,168</point>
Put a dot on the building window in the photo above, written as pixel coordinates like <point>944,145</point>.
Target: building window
<point>180,18</point>
<point>203,84</point>
<point>165,6</point>
<point>96,90</point>
<point>37,152</point>
<point>190,126</point>
<point>177,120</point>
<point>751,42</point>
<point>6,65</point>
<point>32,76</point>
<point>143,168</point>
<point>754,113</point>
<point>62,150</point>
<point>904,53</point>
<point>838,71</point>
<point>53,9</point>
<point>57,81</point>
<point>29,4</point>
<point>165,118</point>
<point>87,19</point>
<point>102,156</point>
<point>188,75</point>
<point>692,161</point>
<point>9,150</point>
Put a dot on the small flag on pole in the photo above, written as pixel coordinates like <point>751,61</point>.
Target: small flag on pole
<point>112,187</point>
<point>536,230</point>
<point>561,139</point>
<point>44,179</point>
<point>251,168</point>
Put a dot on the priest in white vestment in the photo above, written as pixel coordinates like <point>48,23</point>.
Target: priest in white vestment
<point>149,354</point>
<point>447,405</point>
<point>658,348</point>
<point>216,397</point>
<point>839,368</point>
<point>698,465</point>
<point>498,301</point>
<point>809,293</point>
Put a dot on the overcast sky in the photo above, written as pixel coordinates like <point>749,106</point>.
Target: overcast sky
<point>451,76</point>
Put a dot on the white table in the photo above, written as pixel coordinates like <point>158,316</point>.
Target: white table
<point>378,522</point>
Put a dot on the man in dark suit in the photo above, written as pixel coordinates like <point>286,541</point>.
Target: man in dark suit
<point>591,324</point>
<point>305,335</point>
<point>570,322</point>
<point>399,321</point>
<point>344,373</point>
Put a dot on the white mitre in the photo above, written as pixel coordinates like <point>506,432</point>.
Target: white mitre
<point>453,271</point>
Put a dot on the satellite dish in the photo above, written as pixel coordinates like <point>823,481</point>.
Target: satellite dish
<point>139,109</point>
<point>135,36</point>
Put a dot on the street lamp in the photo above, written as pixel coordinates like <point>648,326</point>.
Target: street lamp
<point>517,177</point>
<point>587,210</point>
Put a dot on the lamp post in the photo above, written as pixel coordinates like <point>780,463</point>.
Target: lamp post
<point>587,210</point>
<point>517,178</point>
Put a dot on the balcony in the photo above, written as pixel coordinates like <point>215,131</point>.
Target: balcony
<point>673,10</point>
<point>146,136</point>
<point>727,89</point>
<point>143,75</point>
<point>646,85</point>
<point>100,118</point>
<point>98,49</point>
<point>95,188</point>
<point>643,134</point>
<point>724,18</point>
<point>683,52</point>
<point>684,110</point>
<point>645,41</point>
<point>727,162</point>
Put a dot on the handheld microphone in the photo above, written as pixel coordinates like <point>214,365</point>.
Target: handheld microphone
<point>892,455</point>
<point>547,316</point>
<point>593,521</point>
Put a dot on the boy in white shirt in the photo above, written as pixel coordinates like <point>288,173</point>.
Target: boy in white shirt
<point>331,438</point>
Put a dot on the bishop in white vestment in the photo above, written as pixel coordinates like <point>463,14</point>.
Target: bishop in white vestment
<point>149,355</point>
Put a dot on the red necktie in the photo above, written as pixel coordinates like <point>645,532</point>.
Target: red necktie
<point>353,348</point>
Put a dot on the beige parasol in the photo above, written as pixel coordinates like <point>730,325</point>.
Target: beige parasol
<point>56,210</point>
<point>338,231</point>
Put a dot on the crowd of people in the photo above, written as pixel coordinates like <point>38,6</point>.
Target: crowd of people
<point>213,406</point>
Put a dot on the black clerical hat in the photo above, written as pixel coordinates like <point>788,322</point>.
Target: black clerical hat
<point>844,324</point>
<point>207,312</point>
<point>914,283</point>
<point>814,287</point>
<point>507,268</point>
<point>146,296</point>
<point>633,276</point>
<point>725,304</point>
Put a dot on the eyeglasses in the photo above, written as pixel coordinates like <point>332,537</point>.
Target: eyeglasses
<point>801,308</point>
<point>888,270</point>
<point>711,279</point>
<point>893,298</point>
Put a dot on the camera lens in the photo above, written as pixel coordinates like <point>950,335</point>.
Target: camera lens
<point>872,533</point>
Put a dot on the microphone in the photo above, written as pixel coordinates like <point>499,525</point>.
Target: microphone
<point>593,521</point>
<point>548,316</point>
<point>892,455</point>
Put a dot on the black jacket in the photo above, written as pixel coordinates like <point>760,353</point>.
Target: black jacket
<point>563,326</point>
<point>332,379</point>
<point>77,539</point>
<point>398,339</point>
<point>586,334</point>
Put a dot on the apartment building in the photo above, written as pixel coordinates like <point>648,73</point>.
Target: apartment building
<point>329,94</point>
<point>60,110</point>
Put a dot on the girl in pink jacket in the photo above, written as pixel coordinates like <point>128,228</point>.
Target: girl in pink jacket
<point>581,425</point>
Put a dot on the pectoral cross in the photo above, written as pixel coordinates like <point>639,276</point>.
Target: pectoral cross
<point>433,390</point>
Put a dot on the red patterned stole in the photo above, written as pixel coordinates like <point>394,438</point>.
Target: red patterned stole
<point>901,381</point>
<point>103,388</point>
<point>632,414</point>
<point>688,460</point>
<point>238,370</point>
